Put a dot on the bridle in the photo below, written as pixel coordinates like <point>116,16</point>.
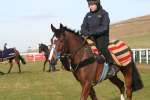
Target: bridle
<point>65,54</point>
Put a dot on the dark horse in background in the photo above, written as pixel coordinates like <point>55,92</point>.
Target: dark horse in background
<point>11,54</point>
<point>87,70</point>
<point>44,48</point>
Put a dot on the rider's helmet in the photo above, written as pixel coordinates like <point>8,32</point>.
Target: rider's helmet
<point>97,2</point>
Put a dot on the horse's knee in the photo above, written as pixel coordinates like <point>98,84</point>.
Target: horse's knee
<point>86,88</point>
<point>93,94</point>
<point>129,91</point>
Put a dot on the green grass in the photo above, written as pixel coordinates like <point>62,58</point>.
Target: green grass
<point>138,41</point>
<point>33,84</point>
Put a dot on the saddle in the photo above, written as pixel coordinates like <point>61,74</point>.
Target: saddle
<point>119,50</point>
<point>6,54</point>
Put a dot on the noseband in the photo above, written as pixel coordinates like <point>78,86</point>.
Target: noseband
<point>69,56</point>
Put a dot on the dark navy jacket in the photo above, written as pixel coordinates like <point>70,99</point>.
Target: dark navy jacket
<point>96,23</point>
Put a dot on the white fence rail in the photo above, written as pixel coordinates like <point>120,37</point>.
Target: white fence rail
<point>141,55</point>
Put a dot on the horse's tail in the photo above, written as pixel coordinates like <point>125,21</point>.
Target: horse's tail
<point>137,83</point>
<point>22,59</point>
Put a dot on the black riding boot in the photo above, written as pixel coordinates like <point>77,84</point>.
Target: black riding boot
<point>102,43</point>
<point>113,69</point>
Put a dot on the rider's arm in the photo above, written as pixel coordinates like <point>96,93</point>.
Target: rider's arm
<point>84,27</point>
<point>104,25</point>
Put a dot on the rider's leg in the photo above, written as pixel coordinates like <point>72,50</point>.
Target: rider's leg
<point>102,44</point>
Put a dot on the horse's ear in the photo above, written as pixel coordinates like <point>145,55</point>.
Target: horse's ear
<point>61,25</point>
<point>53,28</point>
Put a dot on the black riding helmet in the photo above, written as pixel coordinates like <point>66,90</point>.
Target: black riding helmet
<point>93,1</point>
<point>97,2</point>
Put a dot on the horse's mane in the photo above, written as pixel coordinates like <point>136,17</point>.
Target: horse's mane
<point>44,45</point>
<point>72,31</point>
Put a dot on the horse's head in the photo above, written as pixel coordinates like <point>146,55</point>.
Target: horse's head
<point>58,39</point>
<point>42,47</point>
<point>59,44</point>
<point>65,39</point>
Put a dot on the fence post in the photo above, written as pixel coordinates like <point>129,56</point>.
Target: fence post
<point>33,57</point>
<point>133,54</point>
<point>147,56</point>
<point>140,56</point>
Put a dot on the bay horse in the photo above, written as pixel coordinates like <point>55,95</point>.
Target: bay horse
<point>76,56</point>
<point>11,54</point>
<point>44,48</point>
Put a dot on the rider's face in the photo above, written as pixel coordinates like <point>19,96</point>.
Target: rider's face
<point>93,7</point>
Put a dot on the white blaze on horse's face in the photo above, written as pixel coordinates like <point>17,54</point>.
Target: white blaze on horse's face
<point>52,49</point>
<point>52,52</point>
<point>55,38</point>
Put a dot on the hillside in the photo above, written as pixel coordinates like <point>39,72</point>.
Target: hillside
<point>135,31</point>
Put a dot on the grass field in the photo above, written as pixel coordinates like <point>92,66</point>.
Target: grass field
<point>135,31</point>
<point>33,84</point>
<point>137,41</point>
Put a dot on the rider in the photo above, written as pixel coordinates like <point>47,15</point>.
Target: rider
<point>96,25</point>
<point>5,48</point>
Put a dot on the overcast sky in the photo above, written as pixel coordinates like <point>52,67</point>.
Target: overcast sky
<point>25,23</point>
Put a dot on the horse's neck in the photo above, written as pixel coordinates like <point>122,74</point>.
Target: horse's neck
<point>73,41</point>
<point>46,50</point>
<point>76,48</point>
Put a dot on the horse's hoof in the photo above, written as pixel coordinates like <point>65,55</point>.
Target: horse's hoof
<point>1,73</point>
<point>48,71</point>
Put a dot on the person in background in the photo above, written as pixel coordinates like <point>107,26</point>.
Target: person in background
<point>5,48</point>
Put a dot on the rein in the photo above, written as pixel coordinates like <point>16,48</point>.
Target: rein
<point>74,67</point>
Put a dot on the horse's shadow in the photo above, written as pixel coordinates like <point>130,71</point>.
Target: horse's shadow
<point>2,73</point>
<point>115,98</point>
<point>24,72</point>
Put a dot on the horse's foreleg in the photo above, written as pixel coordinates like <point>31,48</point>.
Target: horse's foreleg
<point>50,67</point>
<point>128,82</point>
<point>93,94</point>
<point>120,84</point>
<point>18,63</point>
<point>11,65</point>
<point>44,65</point>
<point>86,88</point>
<point>17,60</point>
<point>53,67</point>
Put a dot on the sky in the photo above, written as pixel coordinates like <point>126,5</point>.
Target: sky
<point>26,23</point>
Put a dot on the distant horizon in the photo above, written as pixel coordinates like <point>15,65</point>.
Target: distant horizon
<point>124,20</point>
<point>34,47</point>
<point>25,24</point>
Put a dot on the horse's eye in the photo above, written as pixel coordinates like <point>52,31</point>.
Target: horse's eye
<point>61,41</point>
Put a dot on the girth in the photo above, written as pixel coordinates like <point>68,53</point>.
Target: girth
<point>84,63</point>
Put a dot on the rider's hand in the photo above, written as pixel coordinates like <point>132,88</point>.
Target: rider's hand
<point>85,36</point>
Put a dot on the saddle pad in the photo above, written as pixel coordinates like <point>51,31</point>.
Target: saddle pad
<point>120,52</point>
<point>93,46</point>
<point>8,53</point>
<point>118,49</point>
